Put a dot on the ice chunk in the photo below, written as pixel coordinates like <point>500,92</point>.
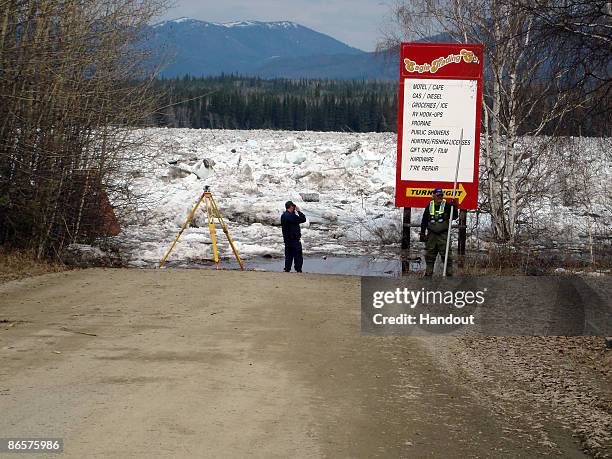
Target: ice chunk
<point>354,147</point>
<point>203,169</point>
<point>310,196</point>
<point>296,156</point>
<point>354,161</point>
<point>369,155</point>
<point>246,172</point>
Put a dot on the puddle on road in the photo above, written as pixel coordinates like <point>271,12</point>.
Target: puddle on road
<point>355,266</point>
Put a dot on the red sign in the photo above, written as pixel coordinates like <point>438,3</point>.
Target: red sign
<point>440,100</point>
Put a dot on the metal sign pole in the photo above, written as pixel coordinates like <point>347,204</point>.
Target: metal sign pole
<point>450,222</point>
<point>405,252</point>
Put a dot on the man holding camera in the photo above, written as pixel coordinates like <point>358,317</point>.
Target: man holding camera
<point>437,221</point>
<point>290,223</point>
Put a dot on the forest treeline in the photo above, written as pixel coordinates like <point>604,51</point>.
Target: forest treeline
<point>235,102</point>
<point>232,102</point>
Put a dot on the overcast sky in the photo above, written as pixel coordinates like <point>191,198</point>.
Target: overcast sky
<point>355,22</point>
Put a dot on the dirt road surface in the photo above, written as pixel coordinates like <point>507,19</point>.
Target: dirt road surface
<point>202,363</point>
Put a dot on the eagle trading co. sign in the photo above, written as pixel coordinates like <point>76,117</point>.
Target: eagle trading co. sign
<point>440,95</point>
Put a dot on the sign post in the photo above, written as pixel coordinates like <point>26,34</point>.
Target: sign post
<point>440,100</point>
<point>448,233</point>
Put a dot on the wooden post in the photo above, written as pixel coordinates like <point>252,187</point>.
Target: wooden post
<point>462,236</point>
<point>405,253</point>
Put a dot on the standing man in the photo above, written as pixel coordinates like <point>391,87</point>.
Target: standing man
<point>290,223</point>
<point>436,220</point>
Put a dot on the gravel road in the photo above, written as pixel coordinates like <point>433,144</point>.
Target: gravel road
<point>203,363</point>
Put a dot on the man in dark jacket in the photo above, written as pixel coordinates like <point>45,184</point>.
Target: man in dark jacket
<point>290,223</point>
<point>436,220</point>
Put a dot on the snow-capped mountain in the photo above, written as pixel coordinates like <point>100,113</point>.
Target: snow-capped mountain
<point>200,48</point>
<point>229,25</point>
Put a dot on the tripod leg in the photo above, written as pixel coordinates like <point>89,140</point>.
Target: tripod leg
<point>189,218</point>
<point>211,227</point>
<point>226,231</point>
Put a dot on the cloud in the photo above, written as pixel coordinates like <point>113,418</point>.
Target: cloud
<point>355,22</point>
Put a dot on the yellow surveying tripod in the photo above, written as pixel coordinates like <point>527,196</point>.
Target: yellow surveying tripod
<point>212,212</point>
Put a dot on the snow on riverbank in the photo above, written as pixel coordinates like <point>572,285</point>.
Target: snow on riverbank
<point>344,183</point>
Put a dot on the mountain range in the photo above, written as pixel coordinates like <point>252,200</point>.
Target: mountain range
<point>281,49</point>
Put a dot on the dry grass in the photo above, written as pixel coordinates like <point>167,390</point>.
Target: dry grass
<point>509,262</point>
<point>15,264</point>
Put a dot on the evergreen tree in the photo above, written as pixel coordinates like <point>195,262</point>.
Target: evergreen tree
<point>232,102</point>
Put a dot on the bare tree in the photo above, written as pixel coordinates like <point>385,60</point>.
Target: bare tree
<point>582,33</point>
<point>530,86</point>
<point>71,91</point>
